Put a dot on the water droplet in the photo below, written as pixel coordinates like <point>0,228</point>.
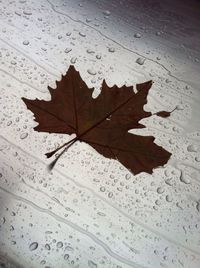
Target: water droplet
<point>33,246</point>
<point>179,108</point>
<point>198,206</point>
<point>73,60</point>
<point>27,12</point>
<point>47,246</point>
<point>59,36</point>
<point>160,190</point>
<point>92,264</point>
<point>91,71</point>
<point>192,148</point>
<point>67,50</point>
<point>24,135</point>
<point>68,33</point>
<point>17,13</point>
<point>137,35</point>
<point>26,42</point>
<point>68,248</point>
<point>140,61</point>
<point>13,62</point>
<point>82,34</point>
<point>110,194</point>
<point>184,178</point>
<point>90,51</point>
<point>128,176</point>
<point>106,12</point>
<point>168,182</point>
<point>66,257</point>
<point>59,244</point>
<point>88,20</point>
<point>98,56</point>
<point>111,49</point>
<point>102,189</point>
<point>2,220</point>
<point>168,198</point>
<point>157,202</point>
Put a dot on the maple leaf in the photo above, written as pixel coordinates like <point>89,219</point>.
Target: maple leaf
<point>102,122</point>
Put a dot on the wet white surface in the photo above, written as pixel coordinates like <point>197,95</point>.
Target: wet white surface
<point>90,211</point>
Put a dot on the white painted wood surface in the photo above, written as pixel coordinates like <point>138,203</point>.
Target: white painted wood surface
<point>90,211</point>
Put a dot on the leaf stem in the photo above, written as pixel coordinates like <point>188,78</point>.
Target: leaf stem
<point>69,144</point>
<point>54,151</point>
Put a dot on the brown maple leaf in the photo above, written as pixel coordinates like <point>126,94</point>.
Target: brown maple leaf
<point>102,122</point>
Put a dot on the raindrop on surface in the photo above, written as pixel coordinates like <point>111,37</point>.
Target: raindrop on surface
<point>26,12</point>
<point>73,60</point>
<point>128,176</point>
<point>137,35</point>
<point>160,190</point>
<point>110,195</point>
<point>23,135</point>
<point>106,12</point>
<point>33,246</point>
<point>192,148</point>
<point>59,244</point>
<point>157,202</point>
<point>168,182</point>
<point>90,51</point>
<point>184,178</point>
<point>88,20</point>
<point>98,56</point>
<point>2,220</point>
<point>82,34</point>
<point>140,61</point>
<point>111,49</point>
<point>26,42</point>
<point>102,189</point>
<point>69,248</point>
<point>66,257</point>
<point>91,71</point>
<point>168,198</point>
<point>92,264</point>
<point>47,246</point>
<point>13,62</point>
<point>198,206</point>
<point>67,50</point>
<point>17,13</point>
<point>179,108</point>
